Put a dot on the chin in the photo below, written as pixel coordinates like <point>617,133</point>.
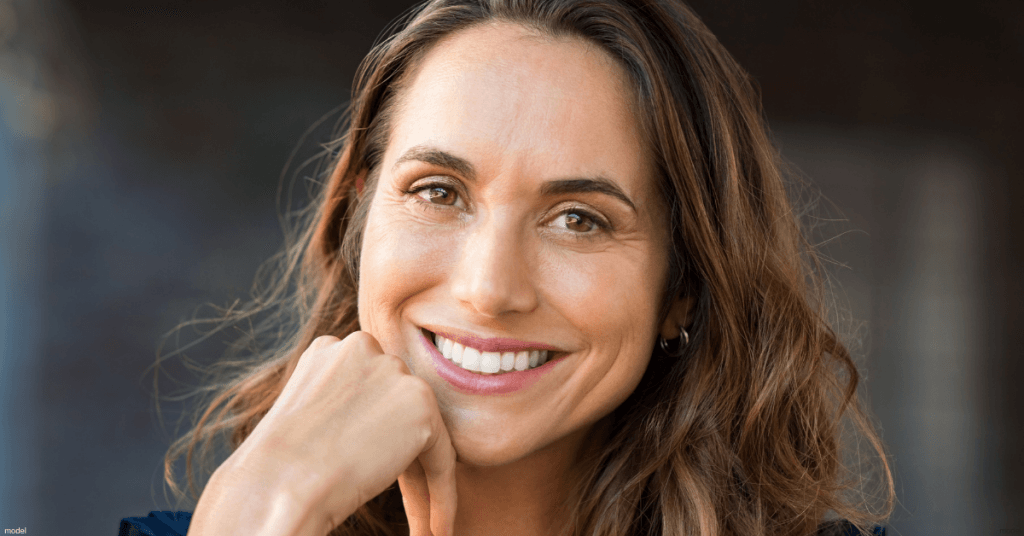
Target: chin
<point>482,449</point>
<point>484,458</point>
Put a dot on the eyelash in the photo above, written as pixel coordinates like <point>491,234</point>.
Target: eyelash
<point>427,186</point>
<point>600,224</point>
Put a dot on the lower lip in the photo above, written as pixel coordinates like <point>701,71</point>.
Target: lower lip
<point>479,384</point>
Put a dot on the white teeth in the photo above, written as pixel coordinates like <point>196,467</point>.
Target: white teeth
<point>489,362</point>
<point>508,359</point>
<point>522,360</point>
<point>471,359</point>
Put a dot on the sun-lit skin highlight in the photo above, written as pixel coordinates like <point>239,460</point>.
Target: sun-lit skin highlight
<point>741,432</point>
<point>505,260</point>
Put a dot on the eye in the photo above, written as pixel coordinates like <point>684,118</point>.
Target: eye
<point>581,221</point>
<point>436,194</point>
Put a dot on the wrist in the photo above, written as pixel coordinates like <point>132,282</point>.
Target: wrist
<point>238,500</point>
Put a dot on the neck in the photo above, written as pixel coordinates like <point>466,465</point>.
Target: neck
<point>526,497</point>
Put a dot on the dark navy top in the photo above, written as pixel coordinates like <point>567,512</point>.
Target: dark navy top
<point>176,524</point>
<point>157,524</point>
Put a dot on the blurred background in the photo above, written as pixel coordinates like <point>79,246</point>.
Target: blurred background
<point>141,148</point>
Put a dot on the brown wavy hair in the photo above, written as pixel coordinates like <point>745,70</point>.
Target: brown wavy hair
<point>741,436</point>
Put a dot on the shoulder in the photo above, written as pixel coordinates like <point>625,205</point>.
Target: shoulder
<point>156,524</point>
<point>843,527</point>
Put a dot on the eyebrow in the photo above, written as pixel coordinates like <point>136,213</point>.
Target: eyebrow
<point>599,185</point>
<point>437,157</point>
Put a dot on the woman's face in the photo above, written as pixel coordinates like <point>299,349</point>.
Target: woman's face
<point>516,212</point>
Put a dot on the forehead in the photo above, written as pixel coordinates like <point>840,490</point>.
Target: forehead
<point>510,98</point>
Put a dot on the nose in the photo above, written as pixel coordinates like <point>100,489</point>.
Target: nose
<point>493,275</point>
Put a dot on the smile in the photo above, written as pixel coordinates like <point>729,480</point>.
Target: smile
<point>483,362</point>
<point>526,362</point>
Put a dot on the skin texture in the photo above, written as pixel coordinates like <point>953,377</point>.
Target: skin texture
<point>490,253</point>
<point>473,244</point>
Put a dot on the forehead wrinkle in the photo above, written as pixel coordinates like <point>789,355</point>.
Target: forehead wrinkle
<point>511,77</point>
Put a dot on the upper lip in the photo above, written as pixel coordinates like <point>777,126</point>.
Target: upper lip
<point>491,344</point>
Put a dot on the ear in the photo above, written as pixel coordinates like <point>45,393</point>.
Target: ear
<point>360,182</point>
<point>679,316</point>
<point>327,237</point>
<point>335,187</point>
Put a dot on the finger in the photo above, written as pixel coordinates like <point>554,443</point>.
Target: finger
<point>438,464</point>
<point>416,499</point>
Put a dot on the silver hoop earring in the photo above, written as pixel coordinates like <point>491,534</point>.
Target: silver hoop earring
<point>684,339</point>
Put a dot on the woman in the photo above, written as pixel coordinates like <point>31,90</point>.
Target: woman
<point>553,285</point>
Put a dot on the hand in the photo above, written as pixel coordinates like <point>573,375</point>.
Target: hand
<point>349,422</point>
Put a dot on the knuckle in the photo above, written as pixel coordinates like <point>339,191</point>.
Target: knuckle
<point>395,364</point>
<point>418,387</point>
<point>421,396</point>
<point>314,352</point>
<point>322,342</point>
<point>362,342</point>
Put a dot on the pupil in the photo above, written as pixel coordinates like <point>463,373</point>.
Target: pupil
<point>438,193</point>
<point>575,220</point>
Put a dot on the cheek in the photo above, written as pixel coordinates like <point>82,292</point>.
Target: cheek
<point>609,295</point>
<point>396,262</point>
<point>612,300</point>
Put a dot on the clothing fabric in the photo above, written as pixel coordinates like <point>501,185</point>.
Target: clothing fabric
<point>157,524</point>
<point>176,524</point>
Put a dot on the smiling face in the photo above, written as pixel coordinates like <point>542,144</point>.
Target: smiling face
<point>515,210</point>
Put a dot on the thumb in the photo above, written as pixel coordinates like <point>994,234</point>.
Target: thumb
<point>416,499</point>
<point>428,488</point>
<point>438,466</point>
